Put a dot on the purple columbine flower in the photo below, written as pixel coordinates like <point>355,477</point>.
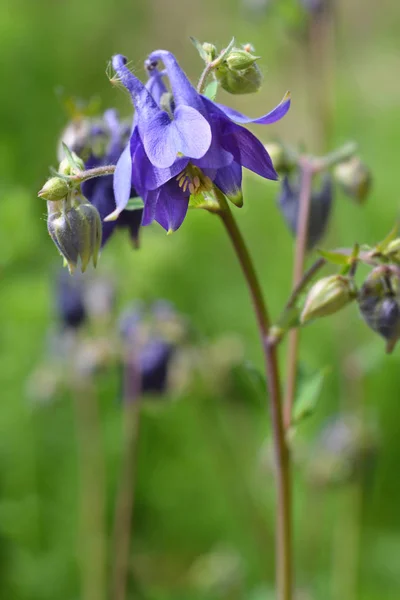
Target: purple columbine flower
<point>183,147</point>
<point>99,191</point>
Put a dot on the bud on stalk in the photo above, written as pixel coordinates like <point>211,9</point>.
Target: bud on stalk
<point>327,296</point>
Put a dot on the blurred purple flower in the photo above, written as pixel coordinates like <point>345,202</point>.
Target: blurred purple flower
<point>181,147</point>
<point>150,336</point>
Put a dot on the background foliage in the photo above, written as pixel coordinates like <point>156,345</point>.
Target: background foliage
<point>203,485</point>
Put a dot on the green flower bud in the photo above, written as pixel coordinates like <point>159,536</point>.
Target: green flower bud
<point>327,296</point>
<point>54,189</point>
<point>392,251</point>
<point>76,231</point>
<point>210,51</point>
<point>66,168</point>
<point>355,178</point>
<point>245,81</point>
<point>240,59</point>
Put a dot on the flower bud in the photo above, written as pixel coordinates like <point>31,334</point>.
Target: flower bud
<point>327,296</point>
<point>320,207</point>
<point>392,251</point>
<point>355,178</point>
<point>379,303</point>
<point>66,168</point>
<point>238,73</point>
<point>240,59</point>
<point>54,189</point>
<point>76,231</point>
<point>210,50</point>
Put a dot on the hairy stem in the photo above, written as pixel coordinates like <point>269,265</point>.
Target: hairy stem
<point>282,458</point>
<point>201,86</point>
<point>91,173</point>
<point>307,172</point>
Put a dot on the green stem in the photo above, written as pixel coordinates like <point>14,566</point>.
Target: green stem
<point>92,490</point>
<point>284,575</point>
<point>91,173</point>
<point>127,482</point>
<point>307,172</point>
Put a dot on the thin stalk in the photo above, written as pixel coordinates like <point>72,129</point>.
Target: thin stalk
<point>90,173</point>
<point>127,482</point>
<point>92,491</point>
<point>284,575</point>
<point>201,86</point>
<point>307,172</point>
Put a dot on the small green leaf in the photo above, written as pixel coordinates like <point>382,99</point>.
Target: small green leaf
<point>381,247</point>
<point>71,160</point>
<point>336,258</point>
<point>309,394</point>
<point>135,204</point>
<point>211,90</point>
<point>226,51</point>
<point>199,48</point>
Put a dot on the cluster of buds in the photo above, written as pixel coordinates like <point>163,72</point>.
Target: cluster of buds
<point>378,297</point>
<point>73,223</point>
<point>234,68</point>
<point>342,167</point>
<point>379,302</point>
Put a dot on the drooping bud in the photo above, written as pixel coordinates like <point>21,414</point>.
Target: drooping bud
<point>76,231</point>
<point>328,296</point>
<point>238,73</point>
<point>320,207</point>
<point>355,178</point>
<point>379,303</point>
<point>54,189</point>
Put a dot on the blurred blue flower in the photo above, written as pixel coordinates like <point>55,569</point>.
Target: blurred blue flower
<point>320,207</point>
<point>99,191</point>
<point>70,303</point>
<point>181,146</point>
<point>151,336</point>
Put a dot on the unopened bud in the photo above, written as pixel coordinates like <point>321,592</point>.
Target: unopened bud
<point>327,296</point>
<point>392,251</point>
<point>239,73</point>
<point>76,231</point>
<point>379,303</point>
<point>210,50</point>
<point>240,59</point>
<point>54,189</point>
<point>66,168</point>
<point>355,178</point>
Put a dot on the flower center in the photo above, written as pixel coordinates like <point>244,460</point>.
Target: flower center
<point>194,180</point>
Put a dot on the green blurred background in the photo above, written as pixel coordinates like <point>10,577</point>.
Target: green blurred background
<point>203,525</point>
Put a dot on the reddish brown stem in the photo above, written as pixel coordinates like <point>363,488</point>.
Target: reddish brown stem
<point>284,575</point>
